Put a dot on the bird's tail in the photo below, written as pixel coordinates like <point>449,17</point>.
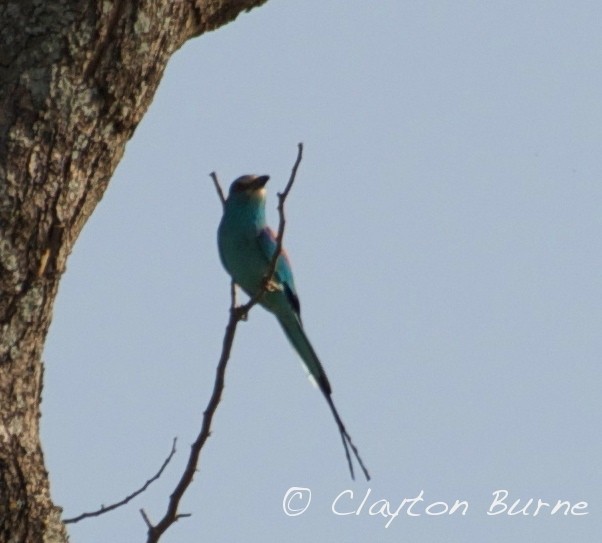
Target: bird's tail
<point>296,335</point>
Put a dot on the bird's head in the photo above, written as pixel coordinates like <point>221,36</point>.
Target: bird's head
<point>250,187</point>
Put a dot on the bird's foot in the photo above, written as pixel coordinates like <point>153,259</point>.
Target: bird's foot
<point>240,312</point>
<point>273,286</point>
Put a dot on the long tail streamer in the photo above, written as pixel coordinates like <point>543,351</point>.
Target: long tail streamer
<point>347,442</point>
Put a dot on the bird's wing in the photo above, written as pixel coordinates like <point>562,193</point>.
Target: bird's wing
<point>283,273</point>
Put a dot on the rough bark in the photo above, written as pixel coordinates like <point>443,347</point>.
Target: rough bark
<point>76,77</point>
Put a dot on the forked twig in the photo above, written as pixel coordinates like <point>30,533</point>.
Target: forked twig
<point>106,508</point>
<point>236,315</point>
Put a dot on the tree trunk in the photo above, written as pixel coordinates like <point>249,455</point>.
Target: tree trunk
<point>76,77</point>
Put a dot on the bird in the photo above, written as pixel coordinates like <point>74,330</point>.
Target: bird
<point>246,247</point>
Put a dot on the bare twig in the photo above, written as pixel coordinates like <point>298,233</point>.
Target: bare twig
<point>146,519</point>
<point>236,315</point>
<point>106,508</point>
<point>218,188</point>
<point>232,295</point>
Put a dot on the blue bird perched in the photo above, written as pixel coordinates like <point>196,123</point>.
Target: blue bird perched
<point>246,247</point>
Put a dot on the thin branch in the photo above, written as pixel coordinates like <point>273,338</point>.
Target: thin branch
<point>146,519</point>
<point>232,295</point>
<point>171,515</point>
<point>105,509</point>
<point>218,188</point>
<point>236,315</point>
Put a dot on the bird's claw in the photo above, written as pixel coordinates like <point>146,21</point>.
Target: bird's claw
<point>240,313</point>
<point>273,286</point>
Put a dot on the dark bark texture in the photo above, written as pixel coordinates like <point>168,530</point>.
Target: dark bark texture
<point>76,77</point>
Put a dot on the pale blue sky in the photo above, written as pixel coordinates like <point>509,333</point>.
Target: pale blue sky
<point>445,234</point>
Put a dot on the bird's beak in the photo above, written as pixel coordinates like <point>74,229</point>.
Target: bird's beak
<point>259,182</point>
